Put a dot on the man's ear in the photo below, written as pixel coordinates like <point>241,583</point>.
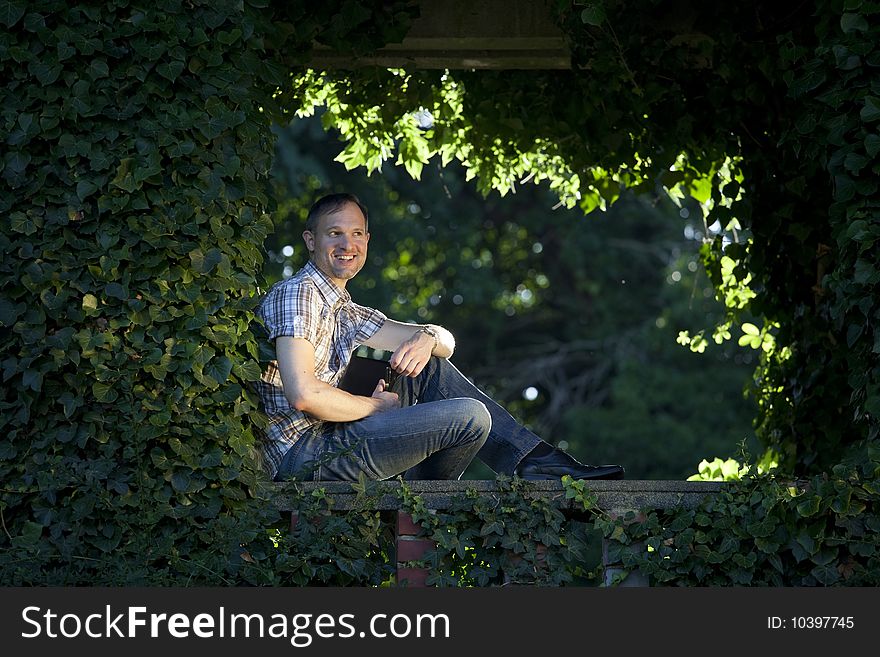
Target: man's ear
<point>309,239</point>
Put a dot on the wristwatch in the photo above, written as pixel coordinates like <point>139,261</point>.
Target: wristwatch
<point>430,331</point>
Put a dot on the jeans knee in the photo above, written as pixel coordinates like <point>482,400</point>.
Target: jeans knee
<point>479,421</point>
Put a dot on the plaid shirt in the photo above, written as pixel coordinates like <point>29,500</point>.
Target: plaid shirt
<point>307,305</point>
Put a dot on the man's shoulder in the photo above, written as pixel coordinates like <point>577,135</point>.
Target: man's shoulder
<point>300,279</point>
<point>297,289</point>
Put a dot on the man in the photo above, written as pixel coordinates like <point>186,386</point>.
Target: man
<point>433,421</point>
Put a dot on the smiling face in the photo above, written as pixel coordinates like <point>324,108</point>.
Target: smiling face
<point>338,245</point>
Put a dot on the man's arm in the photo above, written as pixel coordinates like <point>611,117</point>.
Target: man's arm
<point>305,392</point>
<point>412,347</point>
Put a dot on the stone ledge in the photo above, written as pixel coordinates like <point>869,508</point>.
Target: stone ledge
<point>612,495</point>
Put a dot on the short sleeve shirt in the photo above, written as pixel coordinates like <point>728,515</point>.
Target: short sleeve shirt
<point>310,306</point>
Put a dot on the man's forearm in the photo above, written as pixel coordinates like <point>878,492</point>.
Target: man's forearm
<point>325,402</point>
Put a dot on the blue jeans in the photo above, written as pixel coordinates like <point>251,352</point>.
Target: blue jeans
<point>444,421</point>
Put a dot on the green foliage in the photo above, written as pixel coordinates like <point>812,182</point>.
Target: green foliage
<point>731,469</point>
<point>503,538</point>
<point>763,530</point>
<point>324,546</point>
<point>835,84</point>
<point>483,539</point>
<point>353,27</point>
<point>760,530</point>
<point>133,206</point>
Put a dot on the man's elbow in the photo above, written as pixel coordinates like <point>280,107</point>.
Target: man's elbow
<point>301,400</point>
<point>446,346</point>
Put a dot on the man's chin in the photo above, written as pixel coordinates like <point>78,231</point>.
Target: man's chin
<point>346,273</point>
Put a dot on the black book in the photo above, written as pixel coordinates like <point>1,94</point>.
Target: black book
<point>362,375</point>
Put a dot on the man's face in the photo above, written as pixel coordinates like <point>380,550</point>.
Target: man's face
<point>338,246</point>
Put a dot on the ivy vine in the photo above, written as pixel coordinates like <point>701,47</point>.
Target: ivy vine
<point>760,530</point>
<point>133,209</point>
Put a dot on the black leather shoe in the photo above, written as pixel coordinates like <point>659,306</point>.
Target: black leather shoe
<point>557,464</point>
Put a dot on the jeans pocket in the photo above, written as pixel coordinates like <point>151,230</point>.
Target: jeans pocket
<point>299,459</point>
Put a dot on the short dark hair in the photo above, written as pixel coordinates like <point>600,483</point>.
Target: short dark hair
<point>333,203</point>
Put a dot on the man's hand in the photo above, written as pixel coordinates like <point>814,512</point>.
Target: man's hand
<point>411,357</point>
<point>304,392</point>
<point>387,400</point>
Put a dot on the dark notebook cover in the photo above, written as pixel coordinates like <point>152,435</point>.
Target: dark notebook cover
<point>362,375</point>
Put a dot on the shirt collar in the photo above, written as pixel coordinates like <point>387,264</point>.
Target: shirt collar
<point>332,293</point>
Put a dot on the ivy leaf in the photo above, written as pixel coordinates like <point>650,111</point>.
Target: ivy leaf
<point>90,304</point>
<point>158,457</point>
<point>855,162</point>
<point>853,23</point>
<point>32,379</point>
<point>31,534</point>
<point>180,149</point>
<point>205,262</point>
<point>44,73</point>
<point>65,51</point>
<point>99,69</point>
<point>85,189</point>
<point>9,312</point>
<point>248,371</point>
<point>22,223</point>
<point>239,444</point>
<point>871,111</point>
<point>124,178</point>
<point>116,291</point>
<point>845,188</point>
<point>807,82</point>
<point>69,402</point>
<point>170,70</point>
<point>11,11</point>
<point>215,372</point>
<point>808,507</point>
<point>593,15</point>
<point>826,574</point>
<point>180,481</point>
<point>213,127</point>
<point>495,527</point>
<point>104,392</point>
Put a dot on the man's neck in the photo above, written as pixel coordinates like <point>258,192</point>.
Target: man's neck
<point>338,284</point>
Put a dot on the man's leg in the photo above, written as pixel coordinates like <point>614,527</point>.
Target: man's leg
<point>429,441</point>
<point>508,440</point>
<point>510,447</point>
